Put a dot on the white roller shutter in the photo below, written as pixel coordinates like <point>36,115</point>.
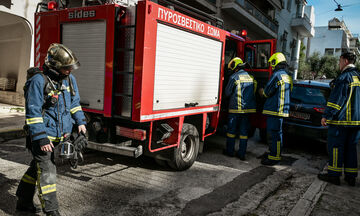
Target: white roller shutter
<point>87,41</point>
<point>187,69</point>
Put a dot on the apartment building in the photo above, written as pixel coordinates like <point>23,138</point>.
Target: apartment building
<point>334,39</point>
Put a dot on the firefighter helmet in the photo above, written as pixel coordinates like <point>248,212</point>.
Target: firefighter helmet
<point>235,62</point>
<point>60,57</point>
<point>276,58</point>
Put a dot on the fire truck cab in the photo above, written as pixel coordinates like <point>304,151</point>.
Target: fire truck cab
<point>151,78</point>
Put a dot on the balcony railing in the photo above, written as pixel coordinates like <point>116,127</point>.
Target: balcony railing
<point>264,19</point>
<point>303,25</point>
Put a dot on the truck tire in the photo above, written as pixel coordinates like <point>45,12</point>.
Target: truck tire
<point>186,154</point>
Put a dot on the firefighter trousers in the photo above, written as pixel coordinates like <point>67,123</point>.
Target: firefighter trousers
<point>238,124</point>
<point>41,173</point>
<point>342,150</point>
<point>274,130</point>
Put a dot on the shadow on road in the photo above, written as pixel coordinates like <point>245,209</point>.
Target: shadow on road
<point>8,200</point>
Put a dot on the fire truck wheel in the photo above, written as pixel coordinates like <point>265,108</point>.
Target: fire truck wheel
<point>186,154</point>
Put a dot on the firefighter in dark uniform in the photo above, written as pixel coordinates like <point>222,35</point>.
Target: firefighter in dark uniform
<point>276,107</point>
<point>241,90</point>
<point>342,114</point>
<point>47,122</point>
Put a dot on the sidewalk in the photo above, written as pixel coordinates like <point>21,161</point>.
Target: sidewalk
<point>12,119</point>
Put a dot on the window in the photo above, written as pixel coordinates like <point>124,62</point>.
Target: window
<point>230,51</point>
<point>337,51</point>
<point>257,55</point>
<point>309,95</point>
<point>329,51</point>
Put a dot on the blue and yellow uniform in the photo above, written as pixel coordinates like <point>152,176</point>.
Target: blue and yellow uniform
<point>52,105</point>
<point>277,105</point>
<point>47,123</point>
<point>342,114</point>
<point>241,90</point>
<point>52,122</point>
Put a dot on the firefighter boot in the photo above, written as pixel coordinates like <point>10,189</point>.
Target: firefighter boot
<point>350,180</point>
<point>27,205</point>
<point>53,213</point>
<point>267,162</point>
<point>331,179</point>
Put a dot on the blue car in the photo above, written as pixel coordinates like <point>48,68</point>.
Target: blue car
<point>307,104</point>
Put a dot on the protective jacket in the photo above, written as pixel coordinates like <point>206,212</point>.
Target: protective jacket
<point>277,92</point>
<point>50,121</point>
<point>343,106</point>
<point>241,89</point>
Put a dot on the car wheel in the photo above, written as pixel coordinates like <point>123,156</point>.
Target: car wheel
<point>186,154</point>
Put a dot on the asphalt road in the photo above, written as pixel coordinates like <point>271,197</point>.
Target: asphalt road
<point>108,184</point>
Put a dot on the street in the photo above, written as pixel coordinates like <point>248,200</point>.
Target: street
<point>108,184</point>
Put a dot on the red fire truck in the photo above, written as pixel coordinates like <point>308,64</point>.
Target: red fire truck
<point>151,78</point>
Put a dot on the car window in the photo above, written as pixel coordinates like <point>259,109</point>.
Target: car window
<point>309,95</point>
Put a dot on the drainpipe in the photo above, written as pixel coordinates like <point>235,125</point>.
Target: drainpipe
<point>297,56</point>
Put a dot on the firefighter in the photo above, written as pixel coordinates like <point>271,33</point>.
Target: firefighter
<point>241,89</point>
<point>46,124</point>
<point>342,114</point>
<point>276,107</point>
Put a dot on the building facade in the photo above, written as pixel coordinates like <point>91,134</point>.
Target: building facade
<point>16,45</point>
<point>333,39</point>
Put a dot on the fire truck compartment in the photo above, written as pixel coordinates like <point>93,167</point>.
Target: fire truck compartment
<point>187,69</point>
<point>87,40</point>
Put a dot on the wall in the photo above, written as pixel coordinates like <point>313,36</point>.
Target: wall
<point>16,44</point>
<point>325,38</point>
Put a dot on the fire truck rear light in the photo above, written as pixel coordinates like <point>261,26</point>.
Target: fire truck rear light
<point>137,134</point>
<point>52,5</point>
<point>149,9</point>
<point>244,33</point>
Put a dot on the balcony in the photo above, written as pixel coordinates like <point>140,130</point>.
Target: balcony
<point>246,12</point>
<point>303,25</point>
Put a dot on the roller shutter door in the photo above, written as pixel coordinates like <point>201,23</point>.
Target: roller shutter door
<point>87,41</point>
<point>187,69</point>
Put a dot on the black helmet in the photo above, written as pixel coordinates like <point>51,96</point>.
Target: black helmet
<point>60,57</point>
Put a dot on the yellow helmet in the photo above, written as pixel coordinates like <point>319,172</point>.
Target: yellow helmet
<point>60,57</point>
<point>235,62</point>
<point>276,58</point>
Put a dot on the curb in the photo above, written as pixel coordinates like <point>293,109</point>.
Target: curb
<point>10,134</point>
<point>306,204</point>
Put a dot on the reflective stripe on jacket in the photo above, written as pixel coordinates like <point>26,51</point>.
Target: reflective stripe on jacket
<point>56,120</point>
<point>277,92</point>
<point>241,90</point>
<point>343,106</point>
